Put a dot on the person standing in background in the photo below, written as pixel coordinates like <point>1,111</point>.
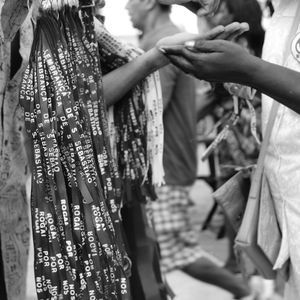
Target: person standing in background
<point>240,148</point>
<point>179,244</point>
<point>277,76</point>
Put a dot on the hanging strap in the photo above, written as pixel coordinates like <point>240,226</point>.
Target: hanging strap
<point>260,163</point>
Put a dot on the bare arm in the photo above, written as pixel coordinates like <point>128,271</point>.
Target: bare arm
<point>223,61</point>
<point>280,83</point>
<point>118,82</point>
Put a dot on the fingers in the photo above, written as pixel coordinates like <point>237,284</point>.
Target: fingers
<point>229,30</point>
<point>172,50</point>
<point>233,30</point>
<point>185,37</point>
<point>181,63</point>
<point>214,33</point>
<point>178,39</point>
<point>188,54</point>
<point>208,46</point>
<point>243,28</point>
<point>211,35</point>
<point>181,38</point>
<point>202,46</point>
<point>220,32</point>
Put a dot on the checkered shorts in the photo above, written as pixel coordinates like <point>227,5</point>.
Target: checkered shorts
<point>178,241</point>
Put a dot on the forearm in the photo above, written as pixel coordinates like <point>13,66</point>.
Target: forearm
<point>278,82</point>
<point>118,82</point>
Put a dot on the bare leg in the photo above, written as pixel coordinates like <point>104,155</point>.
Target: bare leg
<point>231,263</point>
<point>207,271</point>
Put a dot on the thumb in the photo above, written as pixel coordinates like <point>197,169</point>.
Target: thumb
<point>213,33</point>
<point>172,50</point>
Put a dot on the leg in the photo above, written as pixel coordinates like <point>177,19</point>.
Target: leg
<point>206,271</point>
<point>2,281</point>
<point>231,263</point>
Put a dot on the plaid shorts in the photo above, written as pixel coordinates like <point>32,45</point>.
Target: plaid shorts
<point>178,241</point>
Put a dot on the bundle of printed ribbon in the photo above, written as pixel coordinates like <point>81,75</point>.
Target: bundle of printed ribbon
<point>135,122</point>
<point>75,200</point>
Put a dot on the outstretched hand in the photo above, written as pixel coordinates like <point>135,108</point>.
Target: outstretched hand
<point>185,37</point>
<point>212,57</point>
<point>201,7</point>
<point>212,60</point>
<point>219,32</point>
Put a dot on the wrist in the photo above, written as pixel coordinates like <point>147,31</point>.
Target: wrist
<point>156,59</point>
<point>250,70</point>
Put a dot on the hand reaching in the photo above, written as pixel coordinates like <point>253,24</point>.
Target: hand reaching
<point>220,32</point>
<point>215,60</point>
<point>208,54</point>
<point>184,37</point>
<point>200,7</point>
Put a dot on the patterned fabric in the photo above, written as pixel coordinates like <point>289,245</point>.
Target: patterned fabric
<point>14,210</point>
<point>15,234</point>
<point>178,240</point>
<point>136,118</point>
<point>282,163</point>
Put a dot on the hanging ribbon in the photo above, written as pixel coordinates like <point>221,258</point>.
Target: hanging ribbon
<point>79,250</point>
<point>135,122</point>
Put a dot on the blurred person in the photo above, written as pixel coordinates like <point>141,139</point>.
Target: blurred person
<point>248,11</point>
<point>240,148</point>
<point>277,76</point>
<point>179,244</point>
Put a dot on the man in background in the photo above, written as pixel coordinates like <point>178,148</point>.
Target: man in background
<point>179,243</point>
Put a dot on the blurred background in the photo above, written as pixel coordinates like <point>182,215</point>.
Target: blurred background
<point>118,23</point>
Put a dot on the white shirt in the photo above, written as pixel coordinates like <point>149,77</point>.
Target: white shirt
<point>282,164</point>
